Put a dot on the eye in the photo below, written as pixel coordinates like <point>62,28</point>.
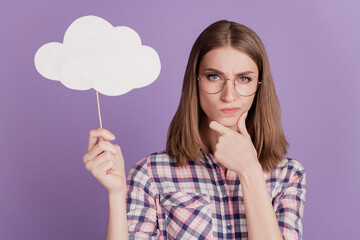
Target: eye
<point>213,77</point>
<point>244,79</point>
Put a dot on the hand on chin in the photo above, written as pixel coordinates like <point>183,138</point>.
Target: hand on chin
<point>228,122</point>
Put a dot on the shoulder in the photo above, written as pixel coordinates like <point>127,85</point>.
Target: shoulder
<point>151,171</point>
<point>141,176</point>
<point>287,179</point>
<point>154,163</point>
<point>288,171</point>
<point>154,159</point>
<point>290,165</point>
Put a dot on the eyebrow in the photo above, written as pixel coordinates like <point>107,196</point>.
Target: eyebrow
<point>219,72</point>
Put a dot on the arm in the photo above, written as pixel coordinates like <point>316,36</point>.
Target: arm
<point>105,161</point>
<point>262,221</point>
<point>260,215</point>
<point>133,216</point>
<point>235,151</point>
<point>141,203</point>
<point>117,225</point>
<point>290,203</point>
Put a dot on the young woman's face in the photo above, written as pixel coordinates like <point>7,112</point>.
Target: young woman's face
<point>231,63</point>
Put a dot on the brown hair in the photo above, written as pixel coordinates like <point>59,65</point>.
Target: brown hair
<point>263,121</point>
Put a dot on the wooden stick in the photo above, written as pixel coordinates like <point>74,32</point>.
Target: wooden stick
<point>98,104</point>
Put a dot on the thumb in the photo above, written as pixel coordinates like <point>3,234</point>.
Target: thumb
<point>242,124</point>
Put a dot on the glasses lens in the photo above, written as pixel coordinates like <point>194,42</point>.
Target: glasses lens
<point>244,85</point>
<point>211,83</point>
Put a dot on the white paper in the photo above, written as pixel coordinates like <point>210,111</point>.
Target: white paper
<point>97,55</point>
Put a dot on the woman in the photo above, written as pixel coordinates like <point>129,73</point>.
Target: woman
<point>224,174</point>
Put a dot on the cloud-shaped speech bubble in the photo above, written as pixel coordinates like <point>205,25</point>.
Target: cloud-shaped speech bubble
<point>97,55</point>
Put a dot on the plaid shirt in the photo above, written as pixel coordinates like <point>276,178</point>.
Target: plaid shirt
<point>166,201</point>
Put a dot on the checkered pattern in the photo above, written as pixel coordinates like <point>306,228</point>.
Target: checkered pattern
<point>166,201</point>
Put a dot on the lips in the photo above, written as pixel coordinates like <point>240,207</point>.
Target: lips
<point>229,110</point>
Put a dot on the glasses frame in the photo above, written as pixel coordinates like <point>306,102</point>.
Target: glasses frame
<point>257,87</point>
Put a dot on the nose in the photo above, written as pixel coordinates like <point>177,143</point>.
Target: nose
<point>228,94</point>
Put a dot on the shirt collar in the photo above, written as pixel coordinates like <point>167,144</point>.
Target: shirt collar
<point>208,158</point>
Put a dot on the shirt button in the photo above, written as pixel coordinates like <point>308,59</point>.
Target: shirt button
<point>229,227</point>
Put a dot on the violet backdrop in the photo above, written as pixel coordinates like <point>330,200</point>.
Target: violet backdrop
<point>45,190</point>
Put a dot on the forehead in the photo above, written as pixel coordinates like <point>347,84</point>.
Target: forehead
<point>228,60</point>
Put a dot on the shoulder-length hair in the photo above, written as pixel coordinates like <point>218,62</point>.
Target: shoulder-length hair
<point>264,118</point>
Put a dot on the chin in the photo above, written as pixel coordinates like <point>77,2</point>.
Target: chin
<point>228,122</point>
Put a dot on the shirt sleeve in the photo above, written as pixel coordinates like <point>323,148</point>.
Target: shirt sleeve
<point>290,208</point>
<point>141,206</point>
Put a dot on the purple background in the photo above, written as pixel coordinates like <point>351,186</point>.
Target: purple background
<point>45,190</point>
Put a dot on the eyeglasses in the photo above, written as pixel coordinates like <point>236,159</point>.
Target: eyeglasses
<point>213,83</point>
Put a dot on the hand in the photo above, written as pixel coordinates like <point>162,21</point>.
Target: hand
<point>105,161</point>
<point>235,150</point>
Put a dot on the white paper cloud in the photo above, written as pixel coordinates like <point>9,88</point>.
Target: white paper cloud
<point>97,55</point>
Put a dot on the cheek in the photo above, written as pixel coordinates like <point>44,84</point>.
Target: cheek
<point>249,103</point>
<point>209,104</point>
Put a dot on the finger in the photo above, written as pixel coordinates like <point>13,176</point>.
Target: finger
<point>94,134</point>
<point>218,127</point>
<point>92,164</point>
<point>102,146</point>
<point>102,169</point>
<point>242,124</point>
<point>116,172</point>
<point>119,157</point>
